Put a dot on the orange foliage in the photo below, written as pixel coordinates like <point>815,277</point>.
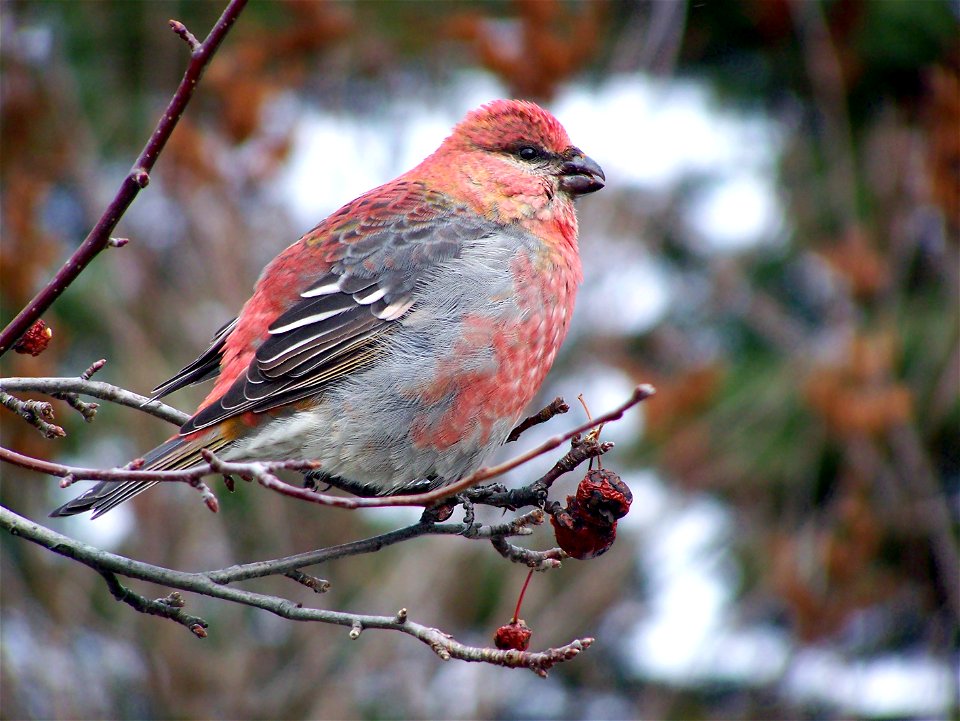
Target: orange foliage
<point>859,262</point>
<point>943,121</point>
<point>680,397</point>
<point>554,43</point>
<point>825,574</point>
<point>859,395</point>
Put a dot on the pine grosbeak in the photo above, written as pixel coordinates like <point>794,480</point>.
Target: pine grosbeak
<point>399,340</point>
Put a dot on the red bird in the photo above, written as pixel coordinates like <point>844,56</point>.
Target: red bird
<point>398,342</point>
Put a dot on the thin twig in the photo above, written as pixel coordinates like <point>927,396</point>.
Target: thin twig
<point>578,453</point>
<point>38,414</point>
<point>170,607</point>
<point>317,585</point>
<point>99,237</point>
<point>87,410</point>
<point>537,560</point>
<point>96,389</point>
<point>535,494</point>
<point>556,407</point>
<point>180,29</point>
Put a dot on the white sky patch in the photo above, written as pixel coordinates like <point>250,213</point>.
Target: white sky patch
<point>689,592</point>
<point>650,132</point>
<point>650,499</point>
<point>392,516</point>
<point>107,532</point>
<point>626,293</point>
<point>112,529</point>
<point>882,687</point>
<point>334,159</point>
<point>737,212</point>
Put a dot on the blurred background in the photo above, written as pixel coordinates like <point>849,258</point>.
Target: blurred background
<point>776,250</point>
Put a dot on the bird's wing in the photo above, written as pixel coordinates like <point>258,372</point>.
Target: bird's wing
<point>334,325</point>
<point>206,366</point>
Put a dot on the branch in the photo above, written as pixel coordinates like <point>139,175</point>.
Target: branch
<point>215,583</point>
<point>264,472</point>
<point>640,393</point>
<point>283,566</point>
<point>139,176</point>
<point>38,414</point>
<point>95,389</point>
<point>557,406</point>
<point>170,607</point>
<point>109,564</point>
<point>535,494</point>
<point>537,560</point>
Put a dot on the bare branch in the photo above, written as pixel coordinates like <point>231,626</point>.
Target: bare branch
<point>180,29</point>
<point>264,471</point>
<point>516,527</point>
<point>537,560</point>
<point>38,414</point>
<point>96,389</point>
<point>99,238</point>
<point>640,393</point>
<point>535,494</point>
<point>170,607</point>
<point>87,410</point>
<point>317,585</point>
<point>441,643</point>
<point>556,407</point>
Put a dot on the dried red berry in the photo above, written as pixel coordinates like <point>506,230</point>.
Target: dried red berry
<point>603,497</point>
<point>582,540</point>
<point>587,527</point>
<point>35,340</point>
<point>514,635</point>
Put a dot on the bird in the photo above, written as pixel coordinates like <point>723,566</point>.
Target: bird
<point>398,341</point>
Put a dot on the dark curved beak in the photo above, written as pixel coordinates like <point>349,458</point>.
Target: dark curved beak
<point>580,175</point>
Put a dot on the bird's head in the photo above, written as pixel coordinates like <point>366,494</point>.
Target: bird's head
<point>522,146</point>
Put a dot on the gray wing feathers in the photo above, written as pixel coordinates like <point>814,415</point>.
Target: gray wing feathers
<point>339,322</point>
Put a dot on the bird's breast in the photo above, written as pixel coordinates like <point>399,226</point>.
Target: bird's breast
<point>497,353</point>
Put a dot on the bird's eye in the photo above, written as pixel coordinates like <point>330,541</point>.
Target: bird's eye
<point>529,152</point>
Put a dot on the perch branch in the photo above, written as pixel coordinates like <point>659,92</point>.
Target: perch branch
<point>640,393</point>
<point>535,494</point>
<point>264,471</point>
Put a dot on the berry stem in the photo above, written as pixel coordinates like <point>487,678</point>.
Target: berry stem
<point>516,613</point>
<point>595,432</point>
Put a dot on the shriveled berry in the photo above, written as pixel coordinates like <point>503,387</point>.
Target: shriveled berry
<point>581,540</point>
<point>587,527</point>
<point>514,635</point>
<point>35,340</point>
<point>603,497</point>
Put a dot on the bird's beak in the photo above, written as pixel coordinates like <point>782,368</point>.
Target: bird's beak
<point>580,175</point>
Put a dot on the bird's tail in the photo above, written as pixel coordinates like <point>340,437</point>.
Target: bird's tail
<point>175,454</point>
